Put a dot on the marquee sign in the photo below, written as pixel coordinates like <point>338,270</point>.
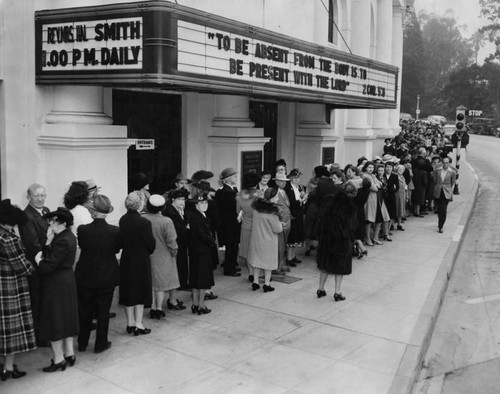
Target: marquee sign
<point>157,43</point>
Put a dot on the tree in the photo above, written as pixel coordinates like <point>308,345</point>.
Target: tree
<point>490,10</point>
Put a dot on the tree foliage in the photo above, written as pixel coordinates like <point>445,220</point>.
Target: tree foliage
<point>490,10</point>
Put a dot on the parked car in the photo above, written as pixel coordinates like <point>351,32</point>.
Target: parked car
<point>437,119</point>
<point>405,116</point>
<point>484,126</point>
<point>449,129</point>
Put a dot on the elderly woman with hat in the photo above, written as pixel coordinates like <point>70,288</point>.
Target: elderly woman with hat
<point>229,227</point>
<point>97,274</point>
<point>175,209</point>
<point>135,264</point>
<point>201,245</point>
<point>283,204</point>
<point>59,304</point>
<point>164,272</point>
<point>17,334</point>
<point>297,197</point>
<point>244,200</point>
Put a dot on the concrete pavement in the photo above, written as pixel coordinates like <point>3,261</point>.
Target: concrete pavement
<point>287,341</point>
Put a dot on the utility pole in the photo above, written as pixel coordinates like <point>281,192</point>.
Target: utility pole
<point>417,112</point>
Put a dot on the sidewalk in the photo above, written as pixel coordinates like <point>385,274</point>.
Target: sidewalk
<point>288,341</point>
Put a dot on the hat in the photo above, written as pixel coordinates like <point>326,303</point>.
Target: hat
<point>387,158</point>
<point>295,173</point>
<point>265,172</point>
<point>227,172</point>
<point>10,214</point>
<point>102,204</point>
<point>250,180</point>
<point>204,186</point>
<point>270,193</point>
<point>202,175</point>
<point>181,177</point>
<point>156,200</point>
<point>377,158</point>
<point>281,177</point>
<point>280,162</point>
<point>178,193</point>
<point>320,171</point>
<point>198,198</point>
<point>91,185</point>
<point>62,214</point>
<point>138,181</point>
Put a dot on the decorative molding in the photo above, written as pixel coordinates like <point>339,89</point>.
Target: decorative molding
<point>56,117</point>
<point>237,140</point>
<point>63,143</point>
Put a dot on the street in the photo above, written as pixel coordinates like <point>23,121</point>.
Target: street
<point>463,356</point>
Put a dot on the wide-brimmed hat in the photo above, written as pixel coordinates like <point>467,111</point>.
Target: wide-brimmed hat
<point>202,175</point>
<point>227,172</point>
<point>181,177</point>
<point>198,198</point>
<point>62,214</point>
<point>10,214</point>
<point>178,193</point>
<point>281,177</point>
<point>388,158</point>
<point>250,180</point>
<point>102,204</point>
<point>295,173</point>
<point>91,185</point>
<point>204,186</point>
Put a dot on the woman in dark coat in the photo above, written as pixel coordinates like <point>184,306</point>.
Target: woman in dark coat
<point>336,236</point>
<point>421,168</point>
<point>201,244</point>
<point>135,265</point>
<point>17,334</point>
<point>58,295</point>
<point>392,183</point>
<point>297,197</point>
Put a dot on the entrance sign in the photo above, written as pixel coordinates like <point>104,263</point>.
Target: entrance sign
<point>144,144</point>
<point>251,161</point>
<point>165,45</point>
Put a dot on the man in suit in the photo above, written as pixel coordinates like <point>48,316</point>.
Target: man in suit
<point>444,181</point>
<point>34,236</point>
<point>97,274</point>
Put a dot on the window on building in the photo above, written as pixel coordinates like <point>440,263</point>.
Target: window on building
<point>333,18</point>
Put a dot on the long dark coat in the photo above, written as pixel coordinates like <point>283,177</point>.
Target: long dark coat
<point>336,234</point>
<point>34,232</point>
<point>98,266</point>
<point>181,228</point>
<point>296,235</point>
<point>392,188</point>
<point>421,167</point>
<point>229,228</point>
<point>16,323</point>
<point>58,298</point>
<point>135,266</point>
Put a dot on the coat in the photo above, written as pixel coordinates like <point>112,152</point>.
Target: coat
<point>58,298</point>
<point>34,232</point>
<point>445,185</point>
<point>16,322</point>
<point>266,225</point>
<point>244,204</point>
<point>296,236</point>
<point>229,228</point>
<point>99,243</point>
<point>392,183</point>
<point>135,265</point>
<point>164,273</point>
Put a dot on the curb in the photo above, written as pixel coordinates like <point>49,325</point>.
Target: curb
<point>413,357</point>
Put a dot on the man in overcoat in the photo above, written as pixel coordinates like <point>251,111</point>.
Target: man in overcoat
<point>444,181</point>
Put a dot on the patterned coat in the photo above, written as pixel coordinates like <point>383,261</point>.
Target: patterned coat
<point>16,322</point>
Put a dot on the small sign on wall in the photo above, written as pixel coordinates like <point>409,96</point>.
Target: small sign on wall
<point>251,161</point>
<point>328,155</point>
<point>145,144</point>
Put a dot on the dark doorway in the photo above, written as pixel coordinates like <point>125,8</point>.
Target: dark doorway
<point>151,116</point>
<point>265,115</point>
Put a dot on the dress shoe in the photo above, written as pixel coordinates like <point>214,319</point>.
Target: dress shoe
<point>235,274</point>
<point>210,296</point>
<point>179,306</point>
<point>204,311</point>
<point>112,315</point>
<point>238,269</point>
<point>71,360</point>
<point>100,350</point>
<point>250,278</point>
<point>130,329</point>
<point>82,348</point>
<point>385,237</point>
<point>153,314</point>
<point>14,374</point>
<point>267,288</point>
<point>362,254</point>
<point>440,230</point>
<point>338,297</point>
<point>369,243</point>
<point>141,331</point>
<point>54,367</point>
<point>400,228</point>
<point>321,293</point>
<point>424,213</point>
<point>255,286</point>
<point>418,216</point>
<point>291,263</point>
<point>377,242</point>
<point>194,309</point>
<point>296,260</point>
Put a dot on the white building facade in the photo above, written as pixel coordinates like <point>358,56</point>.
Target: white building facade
<point>104,89</point>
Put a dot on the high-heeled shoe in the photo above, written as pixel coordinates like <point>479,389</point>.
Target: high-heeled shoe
<point>255,286</point>
<point>363,253</point>
<point>70,359</point>
<point>267,288</point>
<point>14,374</point>
<point>54,367</point>
<point>387,238</point>
<point>368,243</point>
<point>204,311</point>
<point>338,297</point>
<point>130,329</point>
<point>153,314</point>
<point>141,331</point>
<point>400,228</point>
<point>296,260</point>
<point>194,308</point>
<point>377,242</point>
<point>179,306</point>
<point>321,293</point>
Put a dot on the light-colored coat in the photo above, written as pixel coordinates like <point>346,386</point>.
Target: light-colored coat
<point>263,248</point>
<point>445,185</point>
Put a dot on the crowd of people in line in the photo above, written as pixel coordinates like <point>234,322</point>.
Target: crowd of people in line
<point>59,269</point>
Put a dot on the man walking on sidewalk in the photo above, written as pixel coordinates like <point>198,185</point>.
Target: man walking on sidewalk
<point>444,182</point>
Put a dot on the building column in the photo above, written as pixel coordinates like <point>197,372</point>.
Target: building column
<point>380,124</point>
<point>233,140</point>
<point>79,142</point>
<point>358,135</point>
<point>397,60</point>
<point>315,139</point>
